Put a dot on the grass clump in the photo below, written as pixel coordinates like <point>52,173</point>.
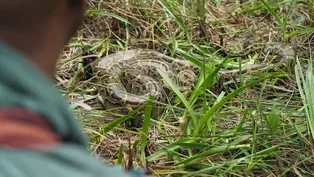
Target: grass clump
<point>255,124</point>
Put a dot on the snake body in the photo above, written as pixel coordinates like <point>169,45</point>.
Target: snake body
<point>131,76</point>
<point>285,53</point>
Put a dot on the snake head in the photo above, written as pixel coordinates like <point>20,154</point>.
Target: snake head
<point>280,49</point>
<point>186,79</point>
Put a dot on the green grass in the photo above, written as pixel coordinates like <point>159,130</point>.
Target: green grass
<point>270,113</point>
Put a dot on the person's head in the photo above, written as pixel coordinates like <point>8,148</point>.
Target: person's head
<point>40,28</point>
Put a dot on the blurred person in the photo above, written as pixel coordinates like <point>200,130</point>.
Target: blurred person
<point>39,135</point>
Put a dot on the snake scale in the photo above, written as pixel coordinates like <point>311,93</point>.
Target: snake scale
<point>131,76</point>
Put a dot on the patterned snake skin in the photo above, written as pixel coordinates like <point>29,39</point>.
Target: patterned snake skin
<point>130,76</point>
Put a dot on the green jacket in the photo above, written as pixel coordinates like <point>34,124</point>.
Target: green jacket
<point>23,85</point>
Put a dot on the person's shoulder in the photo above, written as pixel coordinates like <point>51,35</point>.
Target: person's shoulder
<point>23,129</point>
<point>65,160</point>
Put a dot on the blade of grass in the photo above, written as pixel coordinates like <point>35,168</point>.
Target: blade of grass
<point>201,16</point>
<point>211,151</point>
<point>109,14</point>
<point>144,133</point>
<point>211,111</point>
<point>288,13</point>
<point>180,95</point>
<point>190,58</point>
<point>300,32</point>
<point>168,9</point>
<point>306,86</point>
<point>214,167</point>
<point>115,123</point>
<point>217,149</point>
<point>275,15</point>
<point>202,80</point>
<point>169,149</point>
<point>120,155</point>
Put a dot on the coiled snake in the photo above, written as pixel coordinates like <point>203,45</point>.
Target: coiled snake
<point>131,76</point>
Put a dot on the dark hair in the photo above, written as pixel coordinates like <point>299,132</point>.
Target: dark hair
<point>20,14</point>
<point>26,15</point>
<point>75,3</point>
